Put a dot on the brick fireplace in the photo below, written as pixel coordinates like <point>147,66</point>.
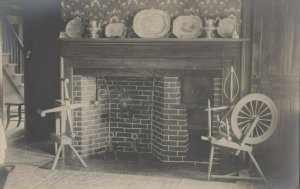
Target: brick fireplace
<point>149,93</point>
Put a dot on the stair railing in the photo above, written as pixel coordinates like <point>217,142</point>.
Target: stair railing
<point>13,44</point>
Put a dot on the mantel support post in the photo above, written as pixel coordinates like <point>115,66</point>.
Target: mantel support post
<point>247,18</point>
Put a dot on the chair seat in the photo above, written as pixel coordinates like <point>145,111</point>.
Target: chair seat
<point>15,103</point>
<point>228,144</point>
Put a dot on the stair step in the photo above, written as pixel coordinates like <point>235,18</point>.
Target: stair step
<point>18,75</point>
<point>18,78</point>
<point>10,69</point>
<point>20,88</point>
<point>5,58</point>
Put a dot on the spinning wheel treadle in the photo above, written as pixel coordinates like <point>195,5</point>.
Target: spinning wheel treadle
<point>254,106</point>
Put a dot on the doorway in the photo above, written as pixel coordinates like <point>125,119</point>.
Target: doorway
<point>12,74</point>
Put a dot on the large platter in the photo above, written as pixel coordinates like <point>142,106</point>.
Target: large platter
<point>115,30</point>
<point>187,27</point>
<point>226,27</point>
<point>151,23</point>
<point>74,28</point>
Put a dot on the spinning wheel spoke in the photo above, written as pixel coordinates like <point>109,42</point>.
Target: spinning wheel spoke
<point>241,123</point>
<point>248,110</point>
<point>243,128</point>
<point>269,113</point>
<point>242,117</point>
<point>258,108</point>
<point>255,109</point>
<point>259,114</point>
<point>252,109</point>
<point>269,120</point>
<point>264,124</point>
<point>260,128</point>
<point>245,113</point>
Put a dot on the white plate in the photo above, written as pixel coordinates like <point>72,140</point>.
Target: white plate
<point>151,23</point>
<point>187,27</point>
<point>115,30</point>
<point>226,27</point>
<point>74,28</point>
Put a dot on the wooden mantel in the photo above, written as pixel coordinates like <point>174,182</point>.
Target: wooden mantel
<point>153,54</point>
<point>143,48</point>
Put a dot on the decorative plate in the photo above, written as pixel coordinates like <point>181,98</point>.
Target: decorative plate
<point>115,30</point>
<point>226,27</point>
<point>74,28</point>
<point>151,23</point>
<point>187,26</point>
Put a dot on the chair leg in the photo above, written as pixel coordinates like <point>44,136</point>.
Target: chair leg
<point>7,117</point>
<point>210,162</point>
<point>257,167</point>
<point>56,157</point>
<point>19,114</point>
<point>78,156</point>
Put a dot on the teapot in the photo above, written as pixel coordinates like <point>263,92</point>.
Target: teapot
<point>210,23</point>
<point>94,28</point>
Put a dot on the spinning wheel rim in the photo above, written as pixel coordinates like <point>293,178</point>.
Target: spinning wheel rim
<point>250,107</point>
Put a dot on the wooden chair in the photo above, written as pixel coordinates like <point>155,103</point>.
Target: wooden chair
<point>12,114</point>
<point>253,120</point>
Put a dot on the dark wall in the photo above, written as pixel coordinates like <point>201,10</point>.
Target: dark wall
<point>276,73</point>
<point>41,30</point>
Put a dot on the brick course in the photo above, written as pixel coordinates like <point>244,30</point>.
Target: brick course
<point>148,107</point>
<point>169,115</point>
<point>90,123</point>
<point>217,101</point>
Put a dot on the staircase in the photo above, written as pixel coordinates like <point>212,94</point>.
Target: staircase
<point>11,31</point>
<point>12,82</point>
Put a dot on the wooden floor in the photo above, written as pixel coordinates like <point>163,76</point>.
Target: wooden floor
<point>33,161</point>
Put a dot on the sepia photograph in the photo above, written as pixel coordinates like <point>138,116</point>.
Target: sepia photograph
<point>149,94</point>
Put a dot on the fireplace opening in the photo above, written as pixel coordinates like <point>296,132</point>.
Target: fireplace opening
<point>195,91</point>
<point>156,116</point>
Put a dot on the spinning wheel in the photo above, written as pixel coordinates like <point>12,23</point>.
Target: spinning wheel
<point>254,106</point>
<point>66,119</point>
<point>253,120</point>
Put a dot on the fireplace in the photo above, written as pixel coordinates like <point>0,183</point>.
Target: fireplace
<point>151,94</point>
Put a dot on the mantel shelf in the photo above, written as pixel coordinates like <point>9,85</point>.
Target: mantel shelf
<point>150,48</point>
<point>149,41</point>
